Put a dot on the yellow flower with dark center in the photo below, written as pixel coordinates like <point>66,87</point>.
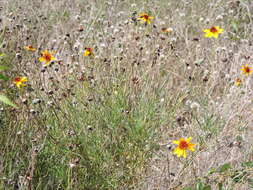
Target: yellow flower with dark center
<point>238,82</point>
<point>88,51</point>
<point>19,81</point>
<point>246,69</point>
<point>46,57</point>
<point>145,18</point>
<point>213,32</point>
<point>29,48</point>
<point>183,145</point>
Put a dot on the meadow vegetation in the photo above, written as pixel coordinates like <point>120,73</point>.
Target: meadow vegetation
<point>126,94</point>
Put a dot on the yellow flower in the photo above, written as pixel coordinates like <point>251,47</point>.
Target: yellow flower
<point>19,81</point>
<point>183,145</point>
<point>213,32</point>
<point>88,52</point>
<point>246,70</point>
<point>238,82</point>
<point>145,18</point>
<point>29,48</point>
<point>46,57</point>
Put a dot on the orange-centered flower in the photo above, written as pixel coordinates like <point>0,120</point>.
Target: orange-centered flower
<point>46,57</point>
<point>183,145</point>
<point>29,48</point>
<point>238,82</point>
<point>246,69</point>
<point>88,51</point>
<point>145,18</point>
<point>213,32</point>
<point>19,81</point>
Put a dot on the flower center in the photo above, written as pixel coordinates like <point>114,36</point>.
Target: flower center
<point>47,57</point>
<point>88,49</point>
<point>247,69</point>
<point>18,79</point>
<point>183,145</point>
<point>146,17</point>
<point>213,30</point>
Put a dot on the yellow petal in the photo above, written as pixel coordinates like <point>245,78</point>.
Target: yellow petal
<point>216,35</point>
<point>41,59</point>
<point>191,147</point>
<point>179,152</point>
<point>184,154</point>
<point>175,142</point>
<point>208,35</point>
<point>206,30</point>
<point>188,139</point>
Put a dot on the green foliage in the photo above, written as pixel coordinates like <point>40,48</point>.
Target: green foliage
<point>7,101</point>
<point>224,167</point>
<point>199,186</point>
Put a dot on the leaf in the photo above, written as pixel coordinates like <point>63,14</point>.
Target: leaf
<point>238,176</point>
<point>234,25</point>
<point>199,186</point>
<point>250,181</point>
<point>7,101</point>
<point>2,77</point>
<point>220,185</point>
<point>2,67</point>
<point>207,187</point>
<point>225,167</point>
<point>211,171</point>
<point>187,188</point>
<point>247,164</point>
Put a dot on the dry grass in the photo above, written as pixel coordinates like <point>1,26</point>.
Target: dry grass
<point>107,121</point>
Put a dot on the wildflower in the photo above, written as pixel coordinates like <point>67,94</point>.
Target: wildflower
<point>46,57</point>
<point>183,145</point>
<point>29,48</point>
<point>167,30</point>
<point>238,82</point>
<point>145,18</point>
<point>88,52</point>
<point>213,32</point>
<point>246,70</point>
<point>19,81</point>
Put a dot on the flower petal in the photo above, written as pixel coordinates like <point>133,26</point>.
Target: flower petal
<point>175,142</point>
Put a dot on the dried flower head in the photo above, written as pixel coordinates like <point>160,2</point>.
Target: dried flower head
<point>246,69</point>
<point>183,145</point>
<point>144,17</point>
<point>46,57</point>
<point>167,30</point>
<point>19,81</point>
<point>213,32</point>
